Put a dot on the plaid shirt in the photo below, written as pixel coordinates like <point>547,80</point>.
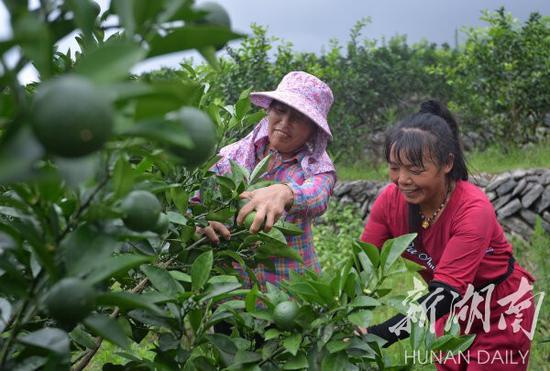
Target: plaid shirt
<point>311,198</point>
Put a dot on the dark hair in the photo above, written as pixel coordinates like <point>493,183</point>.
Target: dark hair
<point>433,131</point>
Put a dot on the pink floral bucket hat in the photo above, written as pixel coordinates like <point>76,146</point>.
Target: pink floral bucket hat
<point>303,92</point>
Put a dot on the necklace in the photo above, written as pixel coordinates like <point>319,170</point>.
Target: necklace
<point>428,220</point>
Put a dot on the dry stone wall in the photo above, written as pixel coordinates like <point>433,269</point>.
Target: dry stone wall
<point>518,197</point>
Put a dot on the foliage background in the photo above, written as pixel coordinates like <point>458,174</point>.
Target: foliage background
<point>497,82</point>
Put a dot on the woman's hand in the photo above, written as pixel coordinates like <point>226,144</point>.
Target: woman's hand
<point>269,203</point>
<point>361,331</point>
<point>214,230</point>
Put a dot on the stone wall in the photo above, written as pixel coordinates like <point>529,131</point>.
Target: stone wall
<point>518,197</point>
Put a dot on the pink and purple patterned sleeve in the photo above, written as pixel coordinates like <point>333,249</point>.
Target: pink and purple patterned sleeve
<point>311,198</point>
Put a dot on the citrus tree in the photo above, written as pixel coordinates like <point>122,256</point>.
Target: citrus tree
<point>500,78</point>
<point>100,177</point>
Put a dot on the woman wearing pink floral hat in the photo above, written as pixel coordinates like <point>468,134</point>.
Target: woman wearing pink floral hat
<point>295,132</point>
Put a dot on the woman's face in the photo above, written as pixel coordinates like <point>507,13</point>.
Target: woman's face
<point>288,129</point>
<point>425,186</point>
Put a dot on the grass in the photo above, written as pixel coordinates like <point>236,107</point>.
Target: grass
<point>494,159</point>
<point>110,353</point>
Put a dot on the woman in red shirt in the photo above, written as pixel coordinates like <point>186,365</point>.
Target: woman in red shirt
<point>460,244</point>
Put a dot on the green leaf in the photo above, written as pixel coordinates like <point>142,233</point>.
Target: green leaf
<point>372,252</point>
<point>262,314</point>
<point>292,343</point>
<point>14,213</point>
<point>220,289</point>
<point>417,334</point>
<point>127,300</point>
<point>253,118</point>
<point>221,216</point>
<point>81,337</point>
<point>180,199</point>
<point>125,11</point>
<point>209,55</point>
<point>361,318</point>
<point>260,169</point>
<point>107,328</point>
<point>364,301</point>
<point>453,344</point>
<point>223,342</point>
<point>5,313</point>
<point>191,37</point>
<point>111,62</point>
<point>18,154</point>
<point>233,255</point>
<point>269,250</point>
<point>149,319</point>
<point>176,218</point>
<point>307,292</point>
<point>337,361</point>
<point>180,276</point>
<point>274,237</point>
<point>86,249</point>
<point>200,270</point>
<point>166,96</point>
<point>288,229</point>
<point>392,250</point>
<point>335,346</point>
<point>226,182</point>
<point>123,177</point>
<point>161,130</point>
<point>35,40</point>
<point>239,173</point>
<point>116,265</point>
<point>223,279</point>
<point>162,280</point>
<point>272,333</point>
<point>43,251</point>
<point>412,266</point>
<point>250,299</point>
<point>297,362</point>
<point>76,171</point>
<point>84,15</point>
<point>324,291</point>
<point>49,338</point>
<point>243,104</point>
<point>244,357</point>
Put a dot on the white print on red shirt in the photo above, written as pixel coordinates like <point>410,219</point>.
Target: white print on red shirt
<point>427,260</point>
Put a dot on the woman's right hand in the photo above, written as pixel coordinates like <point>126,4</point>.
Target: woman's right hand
<point>214,230</point>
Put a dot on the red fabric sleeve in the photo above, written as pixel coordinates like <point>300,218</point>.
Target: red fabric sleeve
<point>470,237</point>
<point>377,229</point>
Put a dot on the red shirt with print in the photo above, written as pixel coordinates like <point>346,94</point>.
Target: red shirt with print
<point>466,244</point>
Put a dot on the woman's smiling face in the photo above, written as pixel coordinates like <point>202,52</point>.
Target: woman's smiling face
<point>420,185</point>
<point>288,129</point>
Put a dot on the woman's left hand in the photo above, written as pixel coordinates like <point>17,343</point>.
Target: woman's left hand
<point>269,203</point>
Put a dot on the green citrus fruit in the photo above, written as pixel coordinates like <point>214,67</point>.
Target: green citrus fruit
<point>70,301</point>
<point>284,315</point>
<point>249,219</point>
<point>162,224</point>
<point>216,14</point>
<point>202,131</point>
<point>142,211</point>
<point>71,117</point>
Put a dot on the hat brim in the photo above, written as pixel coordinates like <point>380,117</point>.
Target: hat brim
<point>298,102</point>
